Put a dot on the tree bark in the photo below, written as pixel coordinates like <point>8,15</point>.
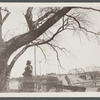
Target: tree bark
<point>1,40</point>
<point>3,68</point>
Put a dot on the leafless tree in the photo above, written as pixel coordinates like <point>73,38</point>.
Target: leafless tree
<point>39,34</point>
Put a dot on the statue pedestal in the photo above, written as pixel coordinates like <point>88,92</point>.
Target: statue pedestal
<point>28,84</point>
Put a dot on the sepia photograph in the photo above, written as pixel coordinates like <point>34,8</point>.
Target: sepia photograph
<point>49,48</point>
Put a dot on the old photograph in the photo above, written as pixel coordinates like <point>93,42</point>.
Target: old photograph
<point>47,48</point>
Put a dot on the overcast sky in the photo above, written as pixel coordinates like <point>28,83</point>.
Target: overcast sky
<point>84,53</point>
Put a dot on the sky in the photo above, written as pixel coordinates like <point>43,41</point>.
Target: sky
<point>84,52</point>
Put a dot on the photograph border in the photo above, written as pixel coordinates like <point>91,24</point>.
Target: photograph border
<point>46,95</point>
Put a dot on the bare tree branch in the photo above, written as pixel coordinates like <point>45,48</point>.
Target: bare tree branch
<point>40,42</point>
<point>29,17</point>
<point>54,35</point>
<point>42,51</point>
<point>58,31</point>
<point>34,24</point>
<point>21,52</point>
<point>36,44</point>
<point>17,56</point>
<point>56,54</point>
<point>88,8</point>
<point>6,16</point>
<point>46,15</point>
<point>44,27</point>
<point>47,41</point>
<point>81,26</point>
<point>62,49</point>
<point>32,35</point>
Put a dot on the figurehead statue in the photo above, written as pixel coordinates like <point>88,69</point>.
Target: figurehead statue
<point>28,69</point>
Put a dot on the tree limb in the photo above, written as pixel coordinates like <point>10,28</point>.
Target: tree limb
<point>20,53</point>
<point>81,26</point>
<point>54,35</point>
<point>29,17</point>
<point>46,15</point>
<point>17,56</point>
<point>88,8</point>
<point>34,24</point>
<point>19,41</point>
<point>42,51</point>
<point>56,54</point>
<point>5,17</point>
<point>62,49</point>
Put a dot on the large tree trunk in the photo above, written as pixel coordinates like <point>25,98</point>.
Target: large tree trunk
<point>1,40</point>
<point>3,68</point>
<point>3,59</point>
